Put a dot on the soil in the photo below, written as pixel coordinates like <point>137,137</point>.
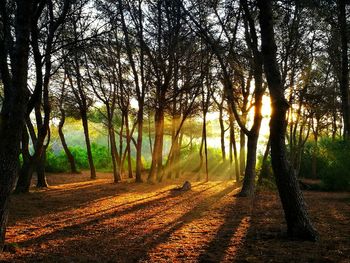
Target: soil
<point>78,220</point>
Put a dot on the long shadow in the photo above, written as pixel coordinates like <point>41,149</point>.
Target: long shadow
<point>107,214</point>
<point>43,203</point>
<point>132,253</point>
<point>149,204</point>
<point>194,214</point>
<point>52,201</point>
<point>231,233</point>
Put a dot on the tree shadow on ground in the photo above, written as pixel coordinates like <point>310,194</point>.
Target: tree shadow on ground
<point>135,245</point>
<point>114,212</point>
<point>52,201</point>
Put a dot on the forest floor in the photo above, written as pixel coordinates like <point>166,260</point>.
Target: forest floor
<point>78,220</point>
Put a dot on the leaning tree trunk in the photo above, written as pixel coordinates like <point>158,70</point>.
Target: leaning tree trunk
<point>88,144</point>
<point>297,218</point>
<point>68,153</point>
<point>14,105</point>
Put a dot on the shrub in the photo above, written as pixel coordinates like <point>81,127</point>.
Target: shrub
<point>56,163</point>
<point>333,163</point>
<point>102,157</point>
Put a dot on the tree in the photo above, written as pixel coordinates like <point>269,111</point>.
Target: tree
<point>13,47</point>
<point>297,218</point>
<point>344,77</point>
<point>105,81</point>
<point>42,38</point>
<point>73,67</point>
<point>62,99</point>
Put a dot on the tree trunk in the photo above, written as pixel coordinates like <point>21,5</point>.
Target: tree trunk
<point>344,77</point>
<point>174,140</point>
<point>205,146</point>
<point>128,142</point>
<point>160,136</point>
<point>314,157</point>
<point>222,133</point>
<point>88,144</point>
<point>250,173</point>
<point>298,222</point>
<point>40,171</point>
<point>27,168</point>
<point>120,152</point>
<point>264,165</point>
<point>253,135</point>
<point>242,153</point>
<point>198,169</point>
<point>116,174</point>
<point>157,158</point>
<point>139,144</point>
<point>14,105</point>
<point>68,153</point>
<point>177,153</point>
<point>233,147</point>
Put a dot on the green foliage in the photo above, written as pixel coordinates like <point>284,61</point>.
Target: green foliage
<point>56,163</point>
<point>333,163</point>
<point>102,157</point>
<point>267,171</point>
<point>80,157</point>
<point>267,182</point>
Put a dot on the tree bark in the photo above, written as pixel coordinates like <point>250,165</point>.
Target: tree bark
<point>234,156</point>
<point>344,77</point>
<point>26,171</point>
<point>222,132</point>
<point>128,147</point>
<point>242,153</point>
<point>116,174</point>
<point>68,153</point>
<point>14,104</point>
<point>314,156</point>
<point>157,158</point>
<point>88,144</point>
<point>250,173</point>
<point>138,171</point>
<point>264,165</point>
<point>40,172</point>
<point>253,135</point>
<point>297,218</point>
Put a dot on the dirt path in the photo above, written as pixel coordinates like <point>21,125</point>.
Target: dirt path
<point>101,222</point>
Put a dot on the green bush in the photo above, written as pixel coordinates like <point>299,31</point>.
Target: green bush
<point>333,163</point>
<point>56,163</point>
<point>80,157</point>
<point>102,157</point>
